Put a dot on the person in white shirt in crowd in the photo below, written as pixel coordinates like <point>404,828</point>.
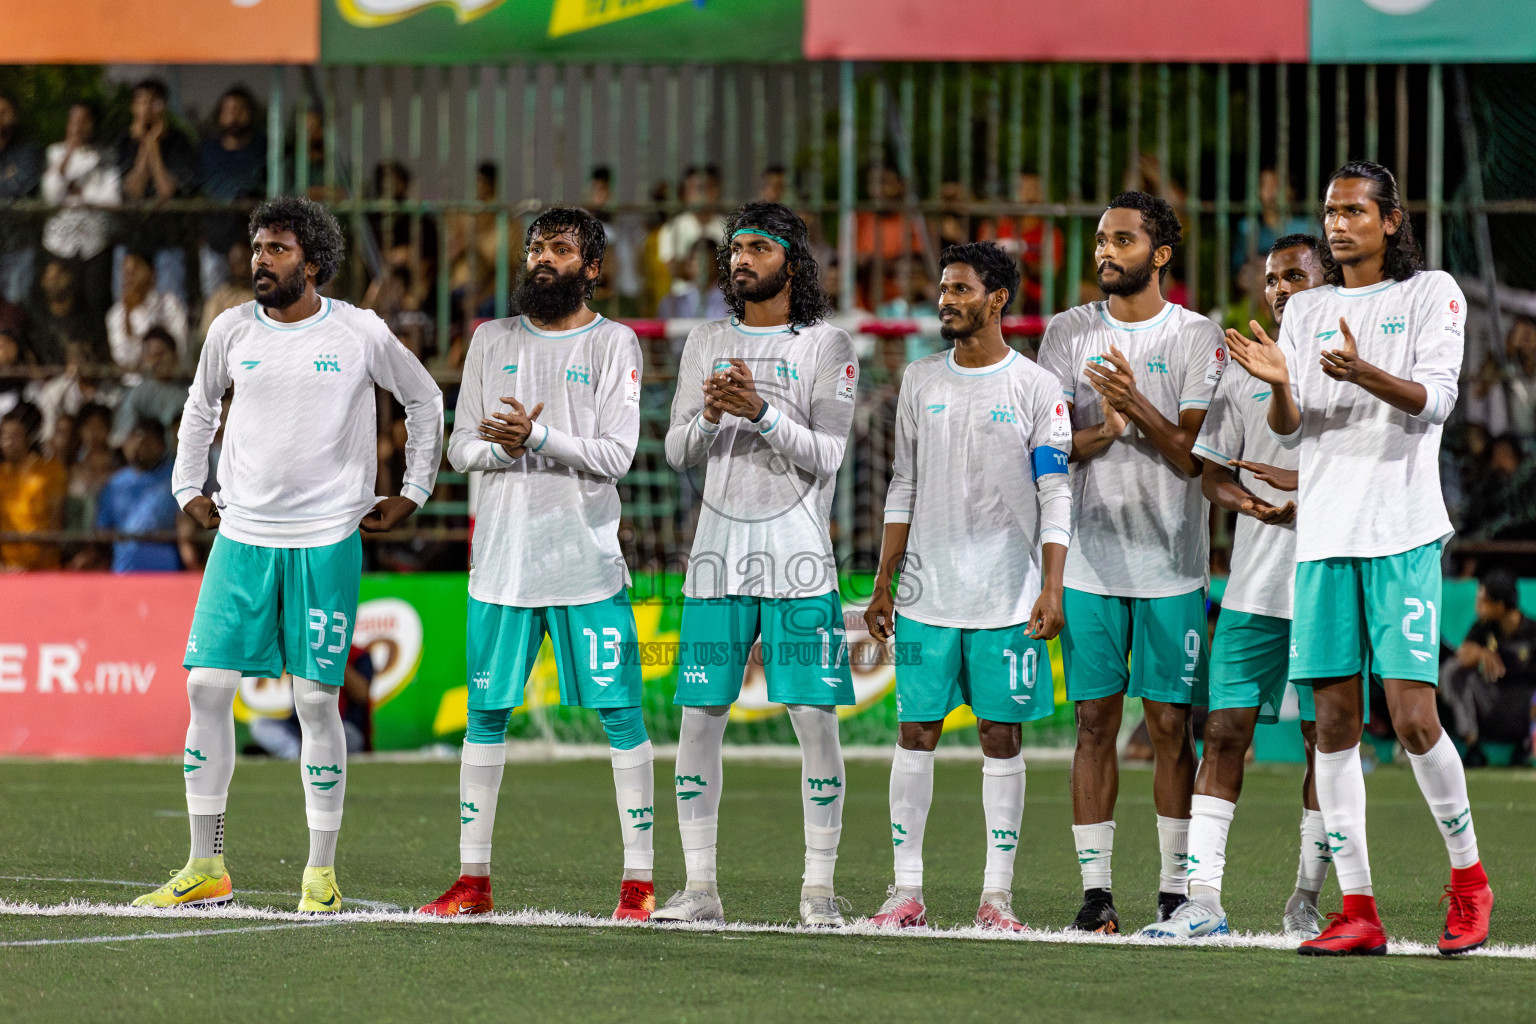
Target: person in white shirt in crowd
<point>142,307</point>
<point>83,180</point>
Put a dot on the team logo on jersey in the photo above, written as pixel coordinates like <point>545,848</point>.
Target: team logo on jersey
<point>331,364</point>
<point>480,680</point>
<point>787,370</point>
<point>1157,365</point>
<point>509,368</point>
<point>250,364</point>
<point>936,409</point>
<point>1394,325</point>
<point>847,381</point>
<point>1002,412</point>
<point>1262,396</point>
<point>575,374</point>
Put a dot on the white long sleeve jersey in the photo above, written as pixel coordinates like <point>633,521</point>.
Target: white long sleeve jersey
<point>1370,474</point>
<point>547,523</point>
<point>764,529</point>
<point>1139,526</point>
<point>1263,555</point>
<point>964,478</point>
<point>300,453</point>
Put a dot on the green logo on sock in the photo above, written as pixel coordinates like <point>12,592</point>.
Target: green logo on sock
<point>199,755</point>
<point>818,784</point>
<point>695,779</point>
<point>317,769</point>
<point>325,787</point>
<point>1452,826</point>
<point>822,801</point>
<point>1341,837</point>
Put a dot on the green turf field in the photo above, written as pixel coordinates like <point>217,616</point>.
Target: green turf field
<point>558,849</point>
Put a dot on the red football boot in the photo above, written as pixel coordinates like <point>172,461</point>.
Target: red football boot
<point>636,901</point>
<point>471,894</point>
<point>1466,920</point>
<point>1356,932</point>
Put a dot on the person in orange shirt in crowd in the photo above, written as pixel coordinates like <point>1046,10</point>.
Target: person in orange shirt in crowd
<point>883,236</point>
<point>32,490</point>
<point>1025,238</point>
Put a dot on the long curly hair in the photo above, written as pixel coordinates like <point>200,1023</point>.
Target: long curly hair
<point>1157,217</point>
<point>808,303</point>
<point>1403,257</point>
<point>317,231</point>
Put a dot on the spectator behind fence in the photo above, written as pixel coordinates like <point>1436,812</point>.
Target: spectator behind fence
<point>1520,361</point>
<point>12,382</point>
<point>234,291</point>
<point>59,316</point>
<point>32,489</point>
<point>95,462</point>
<point>157,161</point>
<point>21,168</point>
<point>231,167</point>
<point>688,299</point>
<point>1025,238</point>
<point>80,384</point>
<point>1488,686</point>
<point>143,306</point>
<point>699,193</point>
<point>1500,502</point>
<point>626,237</point>
<point>81,179</point>
<point>138,500</point>
<point>162,392</point>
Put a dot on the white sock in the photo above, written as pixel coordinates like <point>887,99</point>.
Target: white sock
<point>1002,802</point>
<point>322,754</point>
<point>1095,848</point>
<point>1316,854</point>
<point>634,784</point>
<point>699,778</point>
<point>821,792</point>
<point>911,796</point>
<point>1443,782</point>
<point>1341,794</point>
<point>208,762</point>
<point>1173,845</point>
<point>1209,819</point>
<point>207,835</point>
<point>480,769</point>
<point>322,848</point>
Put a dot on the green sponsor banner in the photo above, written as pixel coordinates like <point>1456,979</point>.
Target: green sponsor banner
<point>496,31</point>
<point>1394,31</point>
<point>413,628</point>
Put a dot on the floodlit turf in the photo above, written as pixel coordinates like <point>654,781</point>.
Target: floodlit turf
<point>558,849</point>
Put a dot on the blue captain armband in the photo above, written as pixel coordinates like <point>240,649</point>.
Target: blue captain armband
<point>1046,460</point>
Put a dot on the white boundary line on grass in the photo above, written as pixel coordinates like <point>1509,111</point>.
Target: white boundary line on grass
<point>378,906</point>
<point>553,919</point>
<point>99,939</point>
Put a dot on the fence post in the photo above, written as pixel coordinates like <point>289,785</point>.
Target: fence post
<point>847,158</point>
<point>1434,234</point>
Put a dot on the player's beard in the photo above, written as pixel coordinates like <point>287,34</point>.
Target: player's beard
<point>963,326</point>
<point>548,301</point>
<point>285,291</point>
<point>1132,280</point>
<point>761,289</point>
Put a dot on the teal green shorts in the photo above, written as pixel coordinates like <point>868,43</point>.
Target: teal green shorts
<point>1378,615</point>
<point>805,650</point>
<point>1249,664</point>
<point>1003,674</point>
<point>597,653</point>
<point>261,610</point>
<point>1149,647</point>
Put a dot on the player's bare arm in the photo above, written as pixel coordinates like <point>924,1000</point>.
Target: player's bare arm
<point>1046,618</point>
<point>204,512</point>
<point>1089,441</point>
<point>1279,479</point>
<point>1221,486</point>
<point>880,616</point>
<point>1116,382</point>
<point>1345,364</point>
<point>1261,356</point>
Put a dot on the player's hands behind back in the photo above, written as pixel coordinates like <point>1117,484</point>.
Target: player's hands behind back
<point>387,514</point>
<point>203,512</point>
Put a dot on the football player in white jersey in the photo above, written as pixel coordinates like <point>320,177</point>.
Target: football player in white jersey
<point>977,521</point>
<point>549,413</point>
<point>295,483</point>
<point>763,406</point>
<point>1248,472</point>
<point>1364,377</point>
<point>1138,373</point>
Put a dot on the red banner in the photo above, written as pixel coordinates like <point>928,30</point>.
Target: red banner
<point>1056,30</point>
<point>90,665</point>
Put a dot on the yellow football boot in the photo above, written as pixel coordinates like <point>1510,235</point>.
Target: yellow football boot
<point>202,883</point>
<point>321,895</point>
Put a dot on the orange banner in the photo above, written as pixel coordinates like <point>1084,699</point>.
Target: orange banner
<point>90,665</point>
<point>159,31</point>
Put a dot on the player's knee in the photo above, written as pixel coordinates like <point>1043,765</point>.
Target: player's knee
<point>1167,724</point>
<point>1223,741</point>
<point>625,727</point>
<point>487,728</point>
<point>999,739</point>
<point>212,689</point>
<point>315,703</point>
<point>1418,733</point>
<point>919,735</point>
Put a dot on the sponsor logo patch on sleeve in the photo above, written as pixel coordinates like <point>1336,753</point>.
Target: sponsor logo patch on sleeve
<point>1218,364</point>
<point>1061,424</point>
<point>848,381</point>
<point>632,387</point>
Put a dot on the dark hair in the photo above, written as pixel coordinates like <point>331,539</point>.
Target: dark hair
<point>91,411</point>
<point>1500,586</point>
<point>1157,218</point>
<point>1403,257</point>
<point>995,267</point>
<point>393,167</point>
<point>149,425</point>
<point>241,93</point>
<point>312,224</point>
<point>808,303</point>
<point>488,169</point>
<point>160,334</point>
<point>154,85</point>
<point>602,172</point>
<point>773,169</point>
<point>590,234</point>
<point>1317,245</point>
<point>30,418</point>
